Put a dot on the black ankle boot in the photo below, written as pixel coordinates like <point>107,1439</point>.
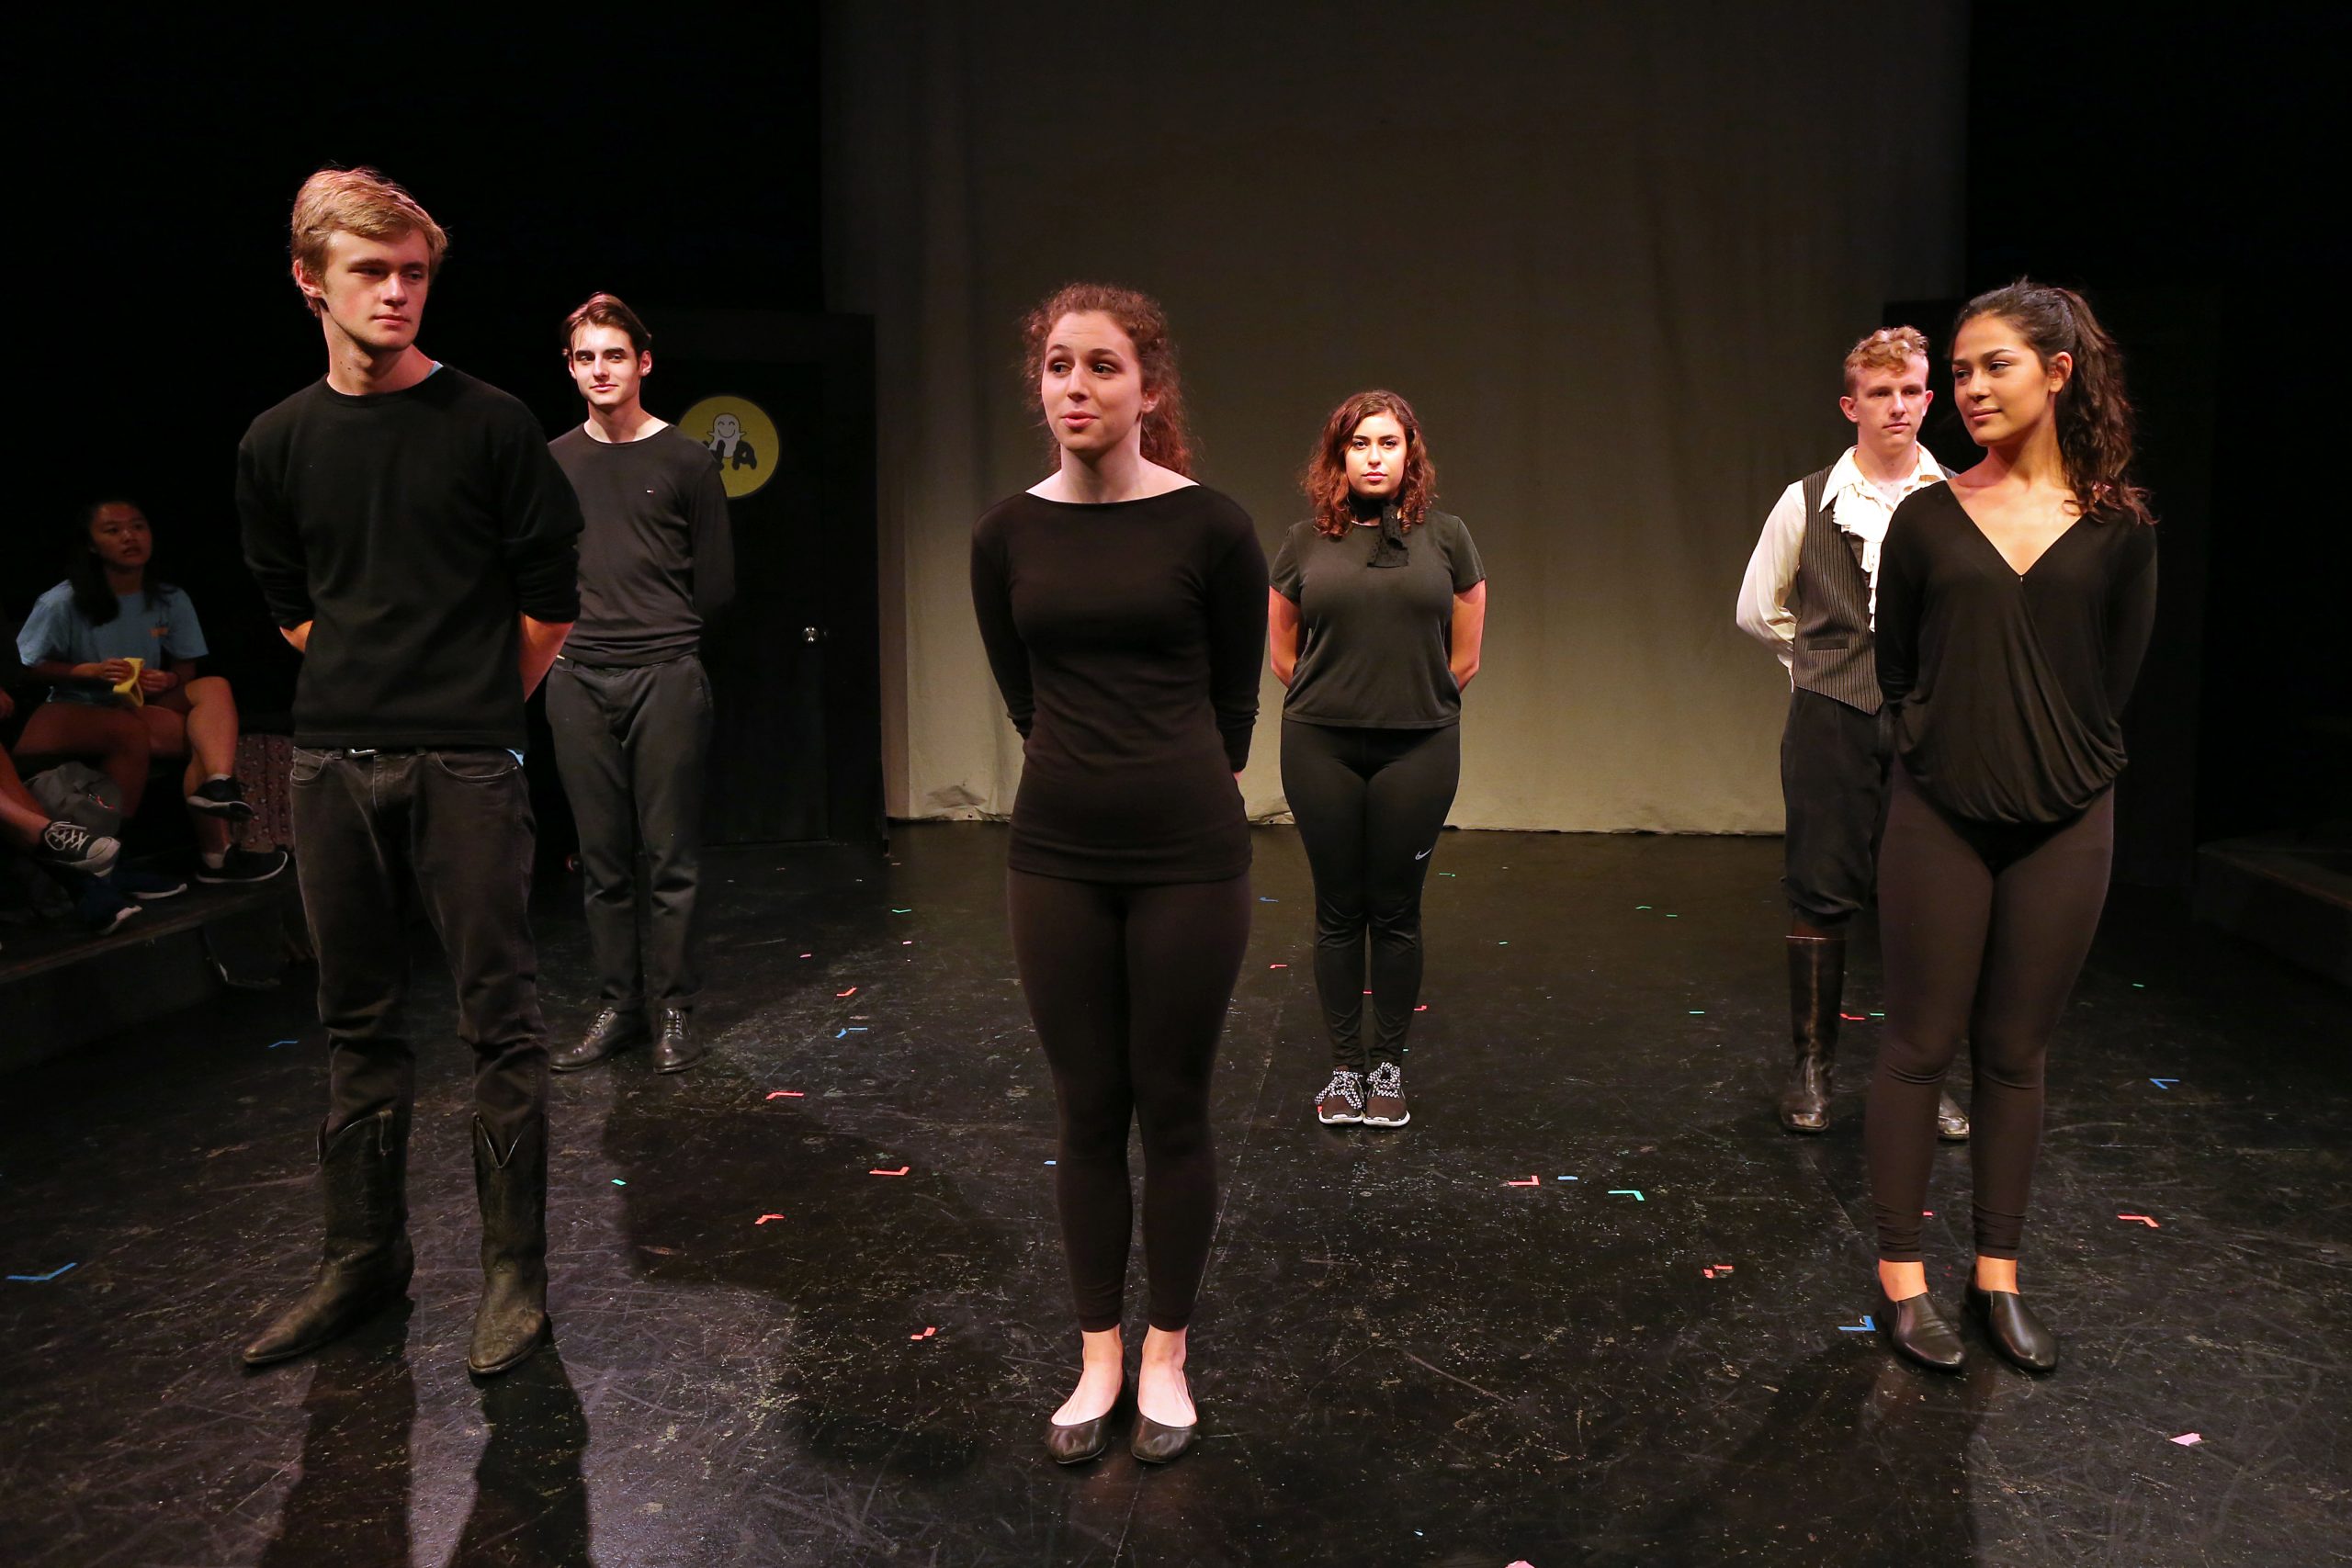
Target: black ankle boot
<point>366,1262</point>
<point>1917,1330</point>
<point>614,1030</point>
<point>1816,984</point>
<point>511,1320</point>
<point>2021,1337</point>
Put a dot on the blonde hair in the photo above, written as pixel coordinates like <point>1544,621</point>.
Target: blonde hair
<point>1889,348</point>
<point>357,201</point>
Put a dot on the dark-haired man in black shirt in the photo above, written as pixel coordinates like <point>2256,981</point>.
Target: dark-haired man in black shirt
<point>413,539</point>
<point>627,699</point>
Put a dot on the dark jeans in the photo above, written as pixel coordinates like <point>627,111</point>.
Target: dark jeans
<point>1128,986</point>
<point>1370,804</point>
<point>630,743</point>
<point>457,827</point>
<point>1833,782</point>
<point>1984,927</point>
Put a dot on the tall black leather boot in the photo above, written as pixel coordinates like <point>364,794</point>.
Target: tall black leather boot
<point>366,1260</point>
<point>1816,984</point>
<point>511,1320</point>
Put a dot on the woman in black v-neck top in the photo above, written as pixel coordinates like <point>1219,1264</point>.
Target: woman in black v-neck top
<point>2008,639</point>
<point>1123,607</point>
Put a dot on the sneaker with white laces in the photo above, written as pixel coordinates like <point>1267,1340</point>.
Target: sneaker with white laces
<point>1341,1101</point>
<point>1384,1104</point>
<point>73,847</point>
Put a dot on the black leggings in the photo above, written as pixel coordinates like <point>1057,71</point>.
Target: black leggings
<point>1370,804</point>
<point>1983,928</point>
<point>1128,988</point>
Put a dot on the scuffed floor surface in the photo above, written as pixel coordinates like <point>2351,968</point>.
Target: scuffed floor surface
<point>1422,1346</point>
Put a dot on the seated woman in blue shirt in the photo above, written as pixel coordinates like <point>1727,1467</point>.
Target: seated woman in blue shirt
<point>83,636</point>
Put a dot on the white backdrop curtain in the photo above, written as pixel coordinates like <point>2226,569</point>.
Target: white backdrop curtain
<point>1613,253</point>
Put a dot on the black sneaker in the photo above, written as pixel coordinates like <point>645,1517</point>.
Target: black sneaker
<point>146,884</point>
<point>74,848</point>
<point>1383,1101</point>
<point>1341,1101</point>
<point>221,797</point>
<point>100,907</point>
<point>244,865</point>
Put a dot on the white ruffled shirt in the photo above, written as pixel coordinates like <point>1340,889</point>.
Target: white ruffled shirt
<point>1864,509</point>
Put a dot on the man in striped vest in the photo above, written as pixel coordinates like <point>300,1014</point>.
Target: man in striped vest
<point>1809,594</point>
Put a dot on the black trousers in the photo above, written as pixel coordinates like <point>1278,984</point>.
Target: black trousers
<point>1370,804</point>
<point>457,827</point>
<point>1128,988</point>
<point>1983,928</point>
<point>1834,762</point>
<point>631,743</point>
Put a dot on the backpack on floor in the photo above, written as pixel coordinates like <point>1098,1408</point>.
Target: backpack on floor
<point>78,793</point>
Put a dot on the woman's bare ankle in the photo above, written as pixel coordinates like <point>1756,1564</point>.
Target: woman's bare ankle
<point>1901,1282</point>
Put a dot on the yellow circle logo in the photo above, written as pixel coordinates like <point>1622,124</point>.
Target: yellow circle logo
<point>740,438</point>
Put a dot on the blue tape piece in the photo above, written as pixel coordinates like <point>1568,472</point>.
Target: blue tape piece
<point>1624,1191</point>
<point>2163,1083</point>
<point>1564,1179</point>
<point>40,1279</point>
<point>852,1029</point>
<point>276,1044</point>
<point>1866,1326</point>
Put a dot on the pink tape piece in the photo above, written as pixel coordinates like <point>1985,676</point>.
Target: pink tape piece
<point>2143,1219</point>
<point>1522,1563</point>
<point>764,1219</point>
<point>2187,1439</point>
<point>787,1094</point>
<point>900,1171</point>
<point>1423,1008</point>
<point>1853,1018</point>
<point>1718,1268</point>
<point>1531,1181</point>
<point>850,992</point>
<point>1277,965</point>
<point>808,955</point>
<point>925,1334</point>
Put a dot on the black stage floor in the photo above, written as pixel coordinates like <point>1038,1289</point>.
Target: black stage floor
<point>1402,1357</point>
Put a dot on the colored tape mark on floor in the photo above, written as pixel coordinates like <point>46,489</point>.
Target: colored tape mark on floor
<point>1531,1181</point>
<point>1627,1191</point>
<point>2163,1083</point>
<point>900,1171</point>
<point>2186,1439</point>
<point>764,1219</point>
<point>276,1044</point>
<point>1865,1327</point>
<point>925,1334</point>
<point>40,1279</point>
<point>850,992</point>
<point>2143,1219</point>
<point>787,1094</point>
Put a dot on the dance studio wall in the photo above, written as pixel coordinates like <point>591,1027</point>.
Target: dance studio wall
<point>1613,253</point>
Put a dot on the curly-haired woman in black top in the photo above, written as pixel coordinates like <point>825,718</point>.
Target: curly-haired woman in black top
<point>1376,619</point>
<point>2014,605</point>
<point>1123,606</point>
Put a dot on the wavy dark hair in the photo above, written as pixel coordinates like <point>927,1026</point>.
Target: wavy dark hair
<point>2095,419</point>
<point>1167,439</point>
<point>94,596</point>
<point>1326,480</point>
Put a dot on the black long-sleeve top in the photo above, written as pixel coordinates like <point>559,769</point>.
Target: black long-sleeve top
<point>656,560</point>
<point>2008,691</point>
<point>411,529</point>
<point>1126,639</point>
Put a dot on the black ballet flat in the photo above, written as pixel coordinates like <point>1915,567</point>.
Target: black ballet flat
<point>2020,1335</point>
<point>1917,1330</point>
<point>1079,1441</point>
<point>1159,1444</point>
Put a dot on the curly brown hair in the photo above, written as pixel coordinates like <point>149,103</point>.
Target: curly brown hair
<point>1326,480</point>
<point>2095,419</point>
<point>1166,440</point>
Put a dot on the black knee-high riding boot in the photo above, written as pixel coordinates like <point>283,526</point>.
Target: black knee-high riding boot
<point>1816,986</point>
<point>367,1259</point>
<point>511,1320</point>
